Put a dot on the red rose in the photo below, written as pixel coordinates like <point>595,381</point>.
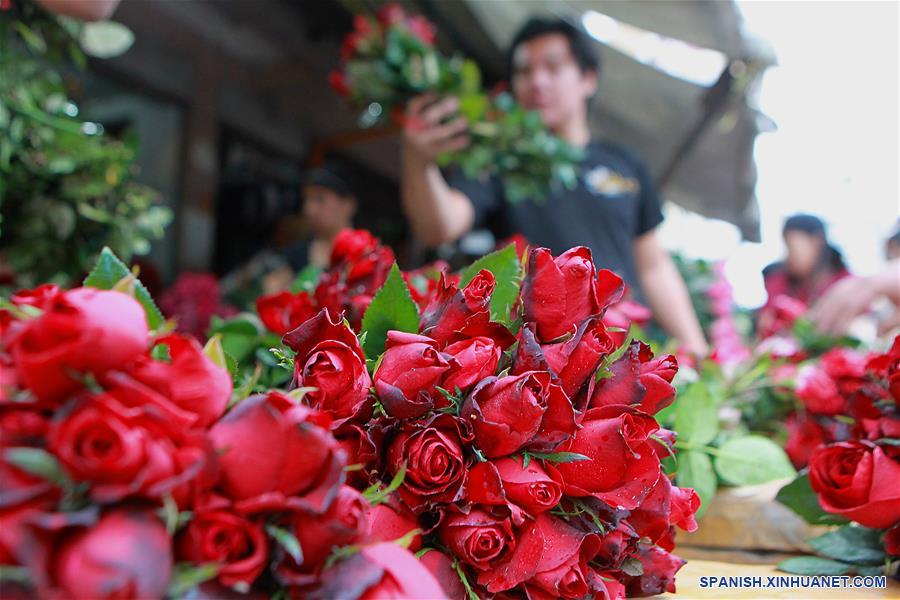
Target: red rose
<point>892,541</point>
<point>480,538</point>
<point>329,358</point>
<point>283,311</point>
<point>237,545</point>
<point>617,545</point>
<point>666,505</point>
<point>391,521</point>
<point>422,28</point>
<point>361,447</point>
<point>409,371</point>
<point>275,453</point>
<point>507,481</point>
<point>659,568</point>
<point>637,380</point>
<point>805,435</point>
<point>21,426</point>
<point>422,283</point>
<point>475,359</point>
<point>452,312</point>
<point>563,571</point>
<point>40,297</point>
<point>622,467</point>
<point>342,524</point>
<point>126,554</point>
<point>22,495</point>
<point>189,380</point>
<point>572,361</point>
<point>81,331</point>
<point>384,571</point>
<point>120,450</point>
<point>441,568</point>
<point>513,412</point>
<point>818,392</point>
<point>352,245</point>
<point>337,80</point>
<point>852,480</point>
<point>433,455</point>
<point>622,314</point>
<point>559,293</point>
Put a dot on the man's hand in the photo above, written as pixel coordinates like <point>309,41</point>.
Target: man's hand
<point>847,299</point>
<point>429,130</point>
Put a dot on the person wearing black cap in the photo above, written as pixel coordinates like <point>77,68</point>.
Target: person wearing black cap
<point>329,204</point>
<point>553,69</point>
<point>811,266</point>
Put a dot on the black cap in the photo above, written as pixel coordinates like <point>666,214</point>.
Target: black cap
<point>331,176</point>
<point>809,224</point>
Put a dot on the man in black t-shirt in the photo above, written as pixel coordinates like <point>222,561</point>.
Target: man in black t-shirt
<point>614,209</point>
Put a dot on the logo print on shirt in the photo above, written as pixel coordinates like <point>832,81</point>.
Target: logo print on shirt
<point>603,181</point>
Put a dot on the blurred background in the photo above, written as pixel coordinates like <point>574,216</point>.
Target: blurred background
<point>745,113</point>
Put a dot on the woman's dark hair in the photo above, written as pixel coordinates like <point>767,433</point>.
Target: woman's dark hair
<point>583,48</point>
<point>831,258</point>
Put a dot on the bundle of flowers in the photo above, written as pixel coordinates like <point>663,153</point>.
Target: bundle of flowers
<point>848,433</point>
<point>192,301</point>
<point>495,443</point>
<point>390,59</point>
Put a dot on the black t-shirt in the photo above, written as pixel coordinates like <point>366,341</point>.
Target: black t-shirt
<point>615,201</point>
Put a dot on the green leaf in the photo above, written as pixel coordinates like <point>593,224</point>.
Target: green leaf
<point>504,264</point>
<point>288,541</point>
<point>39,462</point>
<point>695,470</point>
<point>108,271</point>
<point>696,419</point>
<point>214,352</point>
<point>307,279</point>
<point>186,576</point>
<point>632,566</point>
<point>813,565</point>
<point>391,308</point>
<point>752,459</point>
<point>858,545</point>
<point>799,497</point>
<point>376,494</point>
<point>559,457</point>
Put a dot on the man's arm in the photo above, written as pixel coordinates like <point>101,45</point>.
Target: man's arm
<point>667,294</point>
<point>437,212</point>
<point>847,299</point>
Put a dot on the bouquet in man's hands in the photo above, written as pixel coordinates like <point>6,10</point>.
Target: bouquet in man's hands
<point>391,59</point>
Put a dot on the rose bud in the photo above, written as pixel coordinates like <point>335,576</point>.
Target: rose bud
<point>330,359</point>
<point>189,380</point>
<point>433,455</point>
<point>80,331</point>
<point>475,359</point>
<point>846,368</point>
<point>452,311</point>
<point>274,453</point>
<point>284,311</point>
<point>410,369</point>
<point>382,570</point>
<point>638,380</point>
<point>572,361</point>
<point>529,487</point>
<point>344,523</point>
<point>480,538</point>
<point>622,467</point>
<point>616,545</point>
<point>666,505</point>
<point>127,553</point>
<point>562,571</point>
<point>559,293</point>
<point>391,521</point>
<point>513,412</point>
<point>804,436</point>
<point>818,392</point>
<point>850,480</point>
<point>659,569</point>
<point>351,245</point>
<point>237,545</point>
<point>119,451</point>
<point>40,297</point>
<point>441,568</point>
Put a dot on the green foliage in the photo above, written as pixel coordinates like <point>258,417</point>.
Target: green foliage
<point>856,545</point>
<point>109,270</point>
<point>695,470</point>
<point>799,497</point>
<point>752,459</point>
<point>391,308</point>
<point>696,420</point>
<point>66,190</point>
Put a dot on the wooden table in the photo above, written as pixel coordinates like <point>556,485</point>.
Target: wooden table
<point>688,585</point>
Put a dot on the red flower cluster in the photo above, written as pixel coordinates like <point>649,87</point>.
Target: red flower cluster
<point>358,267</point>
<point>849,434</point>
<point>529,463</point>
<point>192,301</point>
<point>120,464</point>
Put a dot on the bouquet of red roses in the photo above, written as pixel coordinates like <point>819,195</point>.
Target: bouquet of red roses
<point>848,433</point>
<point>388,60</point>
<point>130,467</point>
